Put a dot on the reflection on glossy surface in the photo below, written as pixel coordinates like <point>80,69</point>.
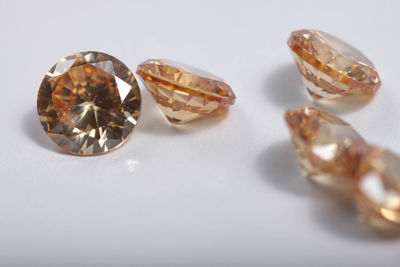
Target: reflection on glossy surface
<point>132,165</point>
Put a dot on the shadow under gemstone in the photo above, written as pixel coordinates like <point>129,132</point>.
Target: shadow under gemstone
<point>284,88</point>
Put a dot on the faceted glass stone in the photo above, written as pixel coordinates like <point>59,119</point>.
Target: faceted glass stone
<point>328,148</point>
<point>330,68</point>
<point>378,190</point>
<point>89,103</point>
<point>182,92</point>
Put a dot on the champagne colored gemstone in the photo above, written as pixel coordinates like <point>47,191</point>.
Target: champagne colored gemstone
<point>330,68</point>
<point>328,148</point>
<point>378,190</point>
<point>182,92</point>
<point>89,103</point>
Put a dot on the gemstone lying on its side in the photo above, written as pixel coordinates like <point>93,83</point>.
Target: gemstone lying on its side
<point>182,92</point>
<point>330,68</point>
<point>89,103</point>
<point>378,190</point>
<point>328,148</point>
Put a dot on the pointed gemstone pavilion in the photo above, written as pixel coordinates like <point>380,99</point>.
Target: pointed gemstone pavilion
<point>328,148</point>
<point>331,68</point>
<point>182,92</point>
<point>89,103</point>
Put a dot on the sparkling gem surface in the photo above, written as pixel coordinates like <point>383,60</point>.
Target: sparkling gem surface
<point>330,68</point>
<point>89,103</point>
<point>378,190</point>
<point>182,92</point>
<point>328,148</point>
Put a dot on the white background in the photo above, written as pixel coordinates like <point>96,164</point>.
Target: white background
<point>220,192</point>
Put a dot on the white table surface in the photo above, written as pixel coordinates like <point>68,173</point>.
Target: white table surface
<point>220,192</point>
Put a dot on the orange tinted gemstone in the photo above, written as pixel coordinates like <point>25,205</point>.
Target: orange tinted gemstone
<point>89,103</point>
<point>328,148</point>
<point>378,190</point>
<point>182,92</point>
<point>330,68</point>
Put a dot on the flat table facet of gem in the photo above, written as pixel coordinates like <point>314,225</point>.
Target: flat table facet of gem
<point>89,103</point>
<point>331,68</point>
<point>182,92</point>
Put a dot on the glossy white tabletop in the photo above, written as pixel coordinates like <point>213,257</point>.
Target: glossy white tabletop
<point>220,192</point>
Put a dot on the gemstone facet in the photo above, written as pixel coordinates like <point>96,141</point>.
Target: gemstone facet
<point>328,148</point>
<point>182,92</point>
<point>330,68</point>
<point>378,190</point>
<point>89,103</point>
